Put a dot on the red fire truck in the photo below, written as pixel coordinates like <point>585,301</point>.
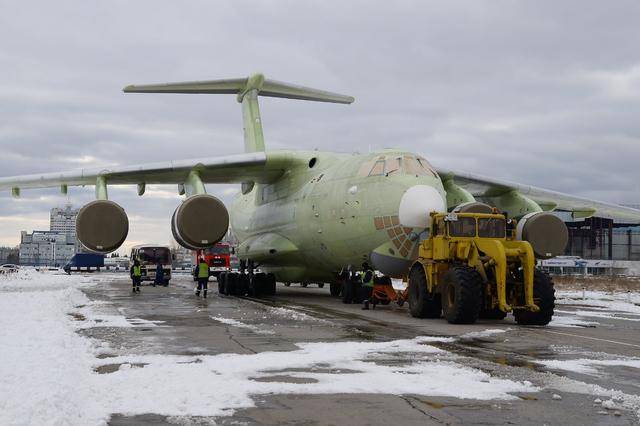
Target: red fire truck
<point>217,257</point>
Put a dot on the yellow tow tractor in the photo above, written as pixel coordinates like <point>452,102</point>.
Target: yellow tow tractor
<point>472,267</point>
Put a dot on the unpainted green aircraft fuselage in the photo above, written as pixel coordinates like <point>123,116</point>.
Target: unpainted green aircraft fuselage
<point>330,212</point>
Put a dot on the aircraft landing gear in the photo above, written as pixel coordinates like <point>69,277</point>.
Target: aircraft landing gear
<point>246,283</point>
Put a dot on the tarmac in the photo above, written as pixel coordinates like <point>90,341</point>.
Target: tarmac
<point>188,329</point>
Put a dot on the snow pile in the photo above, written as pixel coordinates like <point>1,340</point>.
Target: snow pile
<point>45,366</point>
<point>589,366</point>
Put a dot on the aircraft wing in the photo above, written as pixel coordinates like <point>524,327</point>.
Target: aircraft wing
<point>258,167</point>
<point>484,187</point>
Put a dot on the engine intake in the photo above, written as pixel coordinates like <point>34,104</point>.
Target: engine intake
<point>547,234</point>
<point>102,226</point>
<point>200,222</point>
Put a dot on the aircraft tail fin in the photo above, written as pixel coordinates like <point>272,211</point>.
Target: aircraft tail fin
<point>247,90</point>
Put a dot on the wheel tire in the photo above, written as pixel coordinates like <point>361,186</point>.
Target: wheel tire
<point>335,289</point>
<point>304,285</point>
<point>232,284</point>
<point>385,302</point>
<point>493,314</point>
<point>544,295</point>
<point>222,277</point>
<point>347,292</point>
<point>270,285</point>
<point>243,285</point>
<point>461,295</point>
<point>257,287</point>
<point>320,285</point>
<point>422,304</point>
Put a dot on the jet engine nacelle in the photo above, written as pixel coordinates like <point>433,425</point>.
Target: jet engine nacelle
<point>102,226</point>
<point>200,222</point>
<point>546,232</point>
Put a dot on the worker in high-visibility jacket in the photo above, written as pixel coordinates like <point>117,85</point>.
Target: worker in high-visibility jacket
<point>136,275</point>
<point>201,274</point>
<point>366,278</point>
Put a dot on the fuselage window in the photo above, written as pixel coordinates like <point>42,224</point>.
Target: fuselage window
<point>377,169</point>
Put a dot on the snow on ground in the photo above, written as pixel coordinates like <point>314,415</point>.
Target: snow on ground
<point>628,302</point>
<point>294,315</point>
<point>600,314</point>
<point>570,321</point>
<point>589,366</point>
<point>484,333</point>
<point>240,324</point>
<point>48,375</point>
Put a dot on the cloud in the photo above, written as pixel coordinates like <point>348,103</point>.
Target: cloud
<point>536,93</point>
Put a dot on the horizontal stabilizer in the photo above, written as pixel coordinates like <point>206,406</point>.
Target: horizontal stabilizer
<point>240,86</point>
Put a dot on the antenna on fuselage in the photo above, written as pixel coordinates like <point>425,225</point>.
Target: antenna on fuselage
<point>248,90</point>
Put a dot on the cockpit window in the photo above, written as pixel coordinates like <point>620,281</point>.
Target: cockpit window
<point>377,169</point>
<point>412,167</point>
<point>424,164</point>
<point>394,165</point>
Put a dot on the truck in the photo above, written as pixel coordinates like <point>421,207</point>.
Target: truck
<point>471,267</point>
<point>84,262</point>
<point>149,255</point>
<point>217,257</point>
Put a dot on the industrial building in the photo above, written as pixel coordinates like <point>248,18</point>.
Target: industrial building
<point>54,247</point>
<point>598,246</point>
<point>46,248</point>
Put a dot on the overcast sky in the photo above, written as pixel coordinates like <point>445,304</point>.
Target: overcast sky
<point>540,92</point>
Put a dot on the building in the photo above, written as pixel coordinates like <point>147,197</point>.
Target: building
<point>46,248</point>
<point>64,220</point>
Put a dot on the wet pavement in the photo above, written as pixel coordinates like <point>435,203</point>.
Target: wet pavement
<point>181,324</point>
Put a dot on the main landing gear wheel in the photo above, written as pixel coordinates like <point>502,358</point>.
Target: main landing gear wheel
<point>462,295</point>
<point>221,282</point>
<point>335,289</point>
<point>422,304</point>
<point>544,296</point>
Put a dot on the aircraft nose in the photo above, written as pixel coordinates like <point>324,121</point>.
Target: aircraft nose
<point>416,204</point>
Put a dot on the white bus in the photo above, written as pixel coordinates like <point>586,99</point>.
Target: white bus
<point>149,256</point>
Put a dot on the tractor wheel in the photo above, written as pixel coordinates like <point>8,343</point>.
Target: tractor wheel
<point>222,277</point>
<point>422,304</point>
<point>462,295</point>
<point>494,314</point>
<point>335,289</point>
<point>543,296</point>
